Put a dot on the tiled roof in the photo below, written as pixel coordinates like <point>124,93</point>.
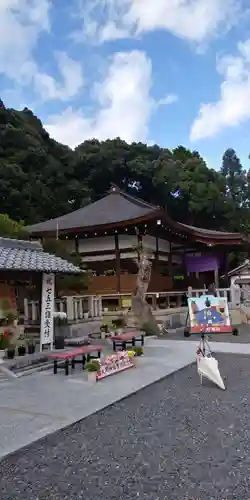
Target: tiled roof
<point>118,207</point>
<point>210,232</point>
<point>21,255</point>
<point>115,207</point>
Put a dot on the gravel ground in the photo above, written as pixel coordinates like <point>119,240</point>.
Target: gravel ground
<point>172,440</point>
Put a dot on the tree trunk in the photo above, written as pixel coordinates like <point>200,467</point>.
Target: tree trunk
<point>140,308</point>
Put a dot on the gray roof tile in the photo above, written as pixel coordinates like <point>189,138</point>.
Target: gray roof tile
<point>115,207</point>
<point>21,255</point>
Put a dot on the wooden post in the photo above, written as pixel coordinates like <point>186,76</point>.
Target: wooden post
<point>170,264</point>
<point>216,278</point>
<point>156,262</point>
<point>117,264</point>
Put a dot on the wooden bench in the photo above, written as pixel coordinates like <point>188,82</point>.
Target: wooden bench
<point>128,338</point>
<point>70,356</point>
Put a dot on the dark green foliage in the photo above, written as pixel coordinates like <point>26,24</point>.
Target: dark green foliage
<point>41,179</point>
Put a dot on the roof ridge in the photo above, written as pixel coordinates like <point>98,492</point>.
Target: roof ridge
<point>14,243</point>
<point>114,189</point>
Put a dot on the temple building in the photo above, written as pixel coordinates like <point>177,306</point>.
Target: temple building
<point>106,233</point>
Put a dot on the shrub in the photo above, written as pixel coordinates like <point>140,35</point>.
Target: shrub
<point>118,322</point>
<point>148,329</point>
<point>93,365</point>
<point>138,351</point>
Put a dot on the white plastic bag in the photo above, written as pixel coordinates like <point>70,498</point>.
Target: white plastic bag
<point>207,366</point>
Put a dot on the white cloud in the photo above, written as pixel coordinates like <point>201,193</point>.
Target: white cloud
<point>124,105</point>
<point>22,22</point>
<point>233,107</point>
<point>168,99</point>
<point>72,80</point>
<point>193,20</point>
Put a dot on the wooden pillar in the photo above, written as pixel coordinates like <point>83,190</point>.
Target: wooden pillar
<point>117,264</point>
<point>184,263</point>
<point>76,246</point>
<point>156,262</point>
<point>216,278</point>
<point>170,263</point>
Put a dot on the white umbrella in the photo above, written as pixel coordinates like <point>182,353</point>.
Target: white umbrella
<point>207,366</point>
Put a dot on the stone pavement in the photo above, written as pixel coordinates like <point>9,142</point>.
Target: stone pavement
<point>37,405</point>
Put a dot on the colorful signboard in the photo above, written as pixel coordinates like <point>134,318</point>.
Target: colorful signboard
<point>114,364</point>
<point>47,318</point>
<point>209,314</point>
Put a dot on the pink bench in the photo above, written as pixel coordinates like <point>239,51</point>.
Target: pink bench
<point>70,356</point>
<point>126,338</point>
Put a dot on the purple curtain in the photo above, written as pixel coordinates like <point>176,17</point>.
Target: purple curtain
<point>201,263</point>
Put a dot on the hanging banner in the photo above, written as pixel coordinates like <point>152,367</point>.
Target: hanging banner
<point>47,320</point>
<point>209,314</point>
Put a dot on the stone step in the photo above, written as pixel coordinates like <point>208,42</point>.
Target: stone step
<point>26,370</point>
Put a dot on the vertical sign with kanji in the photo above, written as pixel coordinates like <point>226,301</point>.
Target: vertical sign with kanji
<point>47,322</point>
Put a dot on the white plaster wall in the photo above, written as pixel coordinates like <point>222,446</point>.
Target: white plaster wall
<point>96,244</point>
<point>127,241</point>
<point>149,242</point>
<point>128,255</point>
<point>176,259</point>
<point>163,245</point>
<point>98,258</point>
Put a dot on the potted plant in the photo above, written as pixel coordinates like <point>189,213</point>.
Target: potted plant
<point>4,342</point>
<point>21,346</point>
<point>31,347</point>
<point>92,367</point>
<point>61,329</point>
<point>138,350</point>
<point>104,327</point>
<point>11,351</point>
<point>118,324</point>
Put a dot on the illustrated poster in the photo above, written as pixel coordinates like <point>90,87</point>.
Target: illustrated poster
<point>209,314</point>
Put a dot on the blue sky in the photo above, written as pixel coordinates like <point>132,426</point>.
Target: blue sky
<point>160,71</point>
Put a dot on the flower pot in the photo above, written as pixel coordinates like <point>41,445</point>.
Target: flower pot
<point>86,315</point>
<point>59,342</point>
<point>135,360</point>
<point>11,353</point>
<point>21,350</point>
<point>2,353</point>
<point>31,348</point>
<point>92,377</point>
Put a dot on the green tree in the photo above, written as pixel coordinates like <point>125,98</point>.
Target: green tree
<point>12,229</point>
<point>67,283</point>
<point>237,190</point>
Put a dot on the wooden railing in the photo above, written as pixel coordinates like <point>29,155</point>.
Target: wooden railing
<point>90,307</point>
<point>101,285</point>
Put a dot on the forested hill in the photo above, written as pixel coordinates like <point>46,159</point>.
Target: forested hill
<point>41,178</point>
